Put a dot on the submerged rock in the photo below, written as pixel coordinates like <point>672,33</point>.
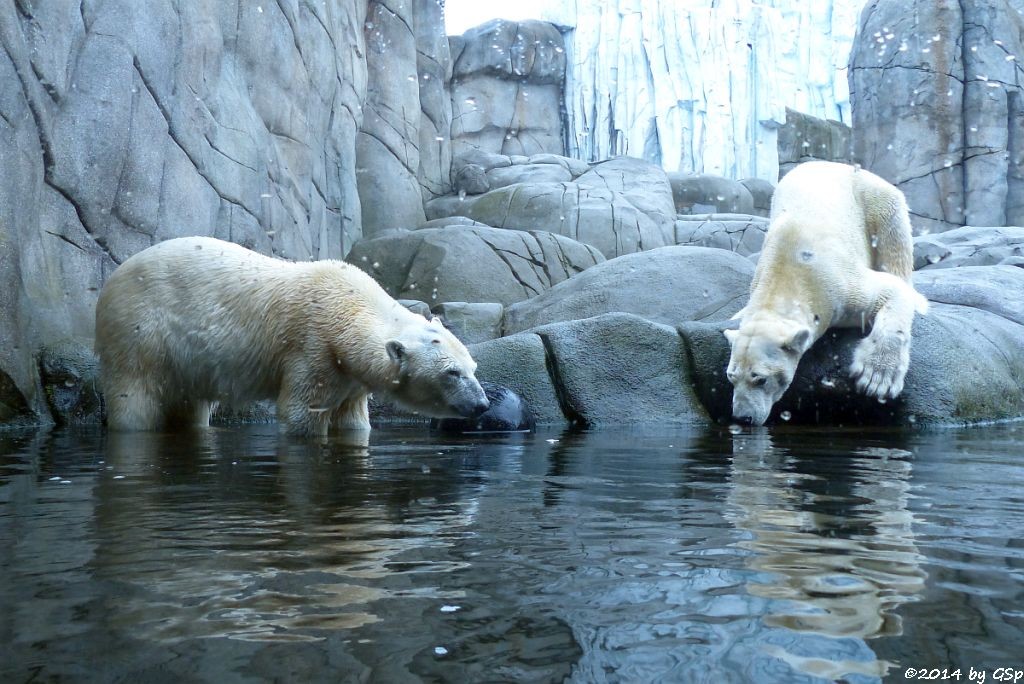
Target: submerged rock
<point>509,412</point>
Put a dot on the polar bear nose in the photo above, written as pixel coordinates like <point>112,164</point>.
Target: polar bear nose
<point>744,420</point>
<point>480,408</point>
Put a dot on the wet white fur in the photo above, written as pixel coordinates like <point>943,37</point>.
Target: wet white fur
<point>194,321</point>
<point>838,253</point>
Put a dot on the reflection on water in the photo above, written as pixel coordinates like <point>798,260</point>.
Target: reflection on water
<point>772,556</point>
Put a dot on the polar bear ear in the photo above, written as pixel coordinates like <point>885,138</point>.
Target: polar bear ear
<point>799,342</point>
<point>731,335</point>
<point>396,350</point>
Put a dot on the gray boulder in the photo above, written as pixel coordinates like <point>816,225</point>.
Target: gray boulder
<point>997,289</point>
<point>806,138</point>
<point>470,264</point>
<point>969,246</point>
<point>761,191</point>
<point>619,206</point>
<point>667,285</point>
<point>471,322</point>
<point>507,88</point>
<point>743,234</point>
<point>471,179</point>
<point>528,173</point>
<point>520,362</point>
<point>705,193</point>
<point>966,366</point>
<point>607,370</point>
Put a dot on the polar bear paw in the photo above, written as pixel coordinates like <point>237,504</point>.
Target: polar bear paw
<point>880,364</point>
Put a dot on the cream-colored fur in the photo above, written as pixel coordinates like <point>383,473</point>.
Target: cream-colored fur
<point>195,321</point>
<point>838,253</point>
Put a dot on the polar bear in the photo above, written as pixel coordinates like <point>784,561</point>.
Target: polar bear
<point>194,321</point>
<point>838,253</point>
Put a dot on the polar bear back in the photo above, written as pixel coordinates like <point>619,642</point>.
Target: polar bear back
<point>852,215</point>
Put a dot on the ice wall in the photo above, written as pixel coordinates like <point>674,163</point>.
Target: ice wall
<point>701,85</point>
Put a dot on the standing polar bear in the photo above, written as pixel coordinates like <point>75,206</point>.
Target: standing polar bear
<point>838,253</point>
<point>195,321</point>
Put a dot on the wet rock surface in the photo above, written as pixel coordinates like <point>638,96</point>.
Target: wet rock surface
<point>743,234</point>
<point>969,246</point>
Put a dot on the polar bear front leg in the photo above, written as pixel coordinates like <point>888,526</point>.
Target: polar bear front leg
<point>299,404</point>
<point>881,360</point>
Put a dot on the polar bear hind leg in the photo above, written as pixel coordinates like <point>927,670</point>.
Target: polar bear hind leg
<point>132,406</point>
<point>881,359</point>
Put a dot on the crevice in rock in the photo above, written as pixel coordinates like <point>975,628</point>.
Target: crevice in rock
<point>528,290</point>
<point>562,395</point>
<point>100,242</point>
<point>173,135</point>
<point>67,240</point>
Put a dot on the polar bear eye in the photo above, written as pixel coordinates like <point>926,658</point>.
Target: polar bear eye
<point>758,380</point>
<point>453,373</point>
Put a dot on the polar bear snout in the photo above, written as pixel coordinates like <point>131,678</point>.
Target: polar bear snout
<point>469,401</point>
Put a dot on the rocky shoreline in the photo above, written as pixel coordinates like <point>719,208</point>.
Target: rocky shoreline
<point>596,290</point>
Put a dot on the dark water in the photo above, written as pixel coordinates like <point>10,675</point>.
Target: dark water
<point>636,556</point>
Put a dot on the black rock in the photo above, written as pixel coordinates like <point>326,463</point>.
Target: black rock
<point>509,412</point>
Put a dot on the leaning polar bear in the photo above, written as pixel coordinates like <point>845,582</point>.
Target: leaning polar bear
<point>838,253</point>
<point>191,322</point>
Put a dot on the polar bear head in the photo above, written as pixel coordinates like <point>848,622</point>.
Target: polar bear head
<point>765,354</point>
<point>435,373</point>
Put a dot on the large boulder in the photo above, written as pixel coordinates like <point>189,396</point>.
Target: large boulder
<point>966,366</point>
<point>969,246</point>
<point>507,88</point>
<point>743,234</point>
<point>705,193</point>
<point>939,120</point>
<point>806,138</point>
<point>998,289</point>
<point>607,370</point>
<point>667,285</point>
<point>470,263</point>
<point>619,206</point>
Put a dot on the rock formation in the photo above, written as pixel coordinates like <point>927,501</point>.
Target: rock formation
<point>936,98</point>
<point>507,88</point>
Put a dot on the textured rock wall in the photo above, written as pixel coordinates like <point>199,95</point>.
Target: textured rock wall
<point>507,88</point>
<point>936,95</point>
<point>291,127</point>
<point>709,90</point>
<point>403,146</point>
